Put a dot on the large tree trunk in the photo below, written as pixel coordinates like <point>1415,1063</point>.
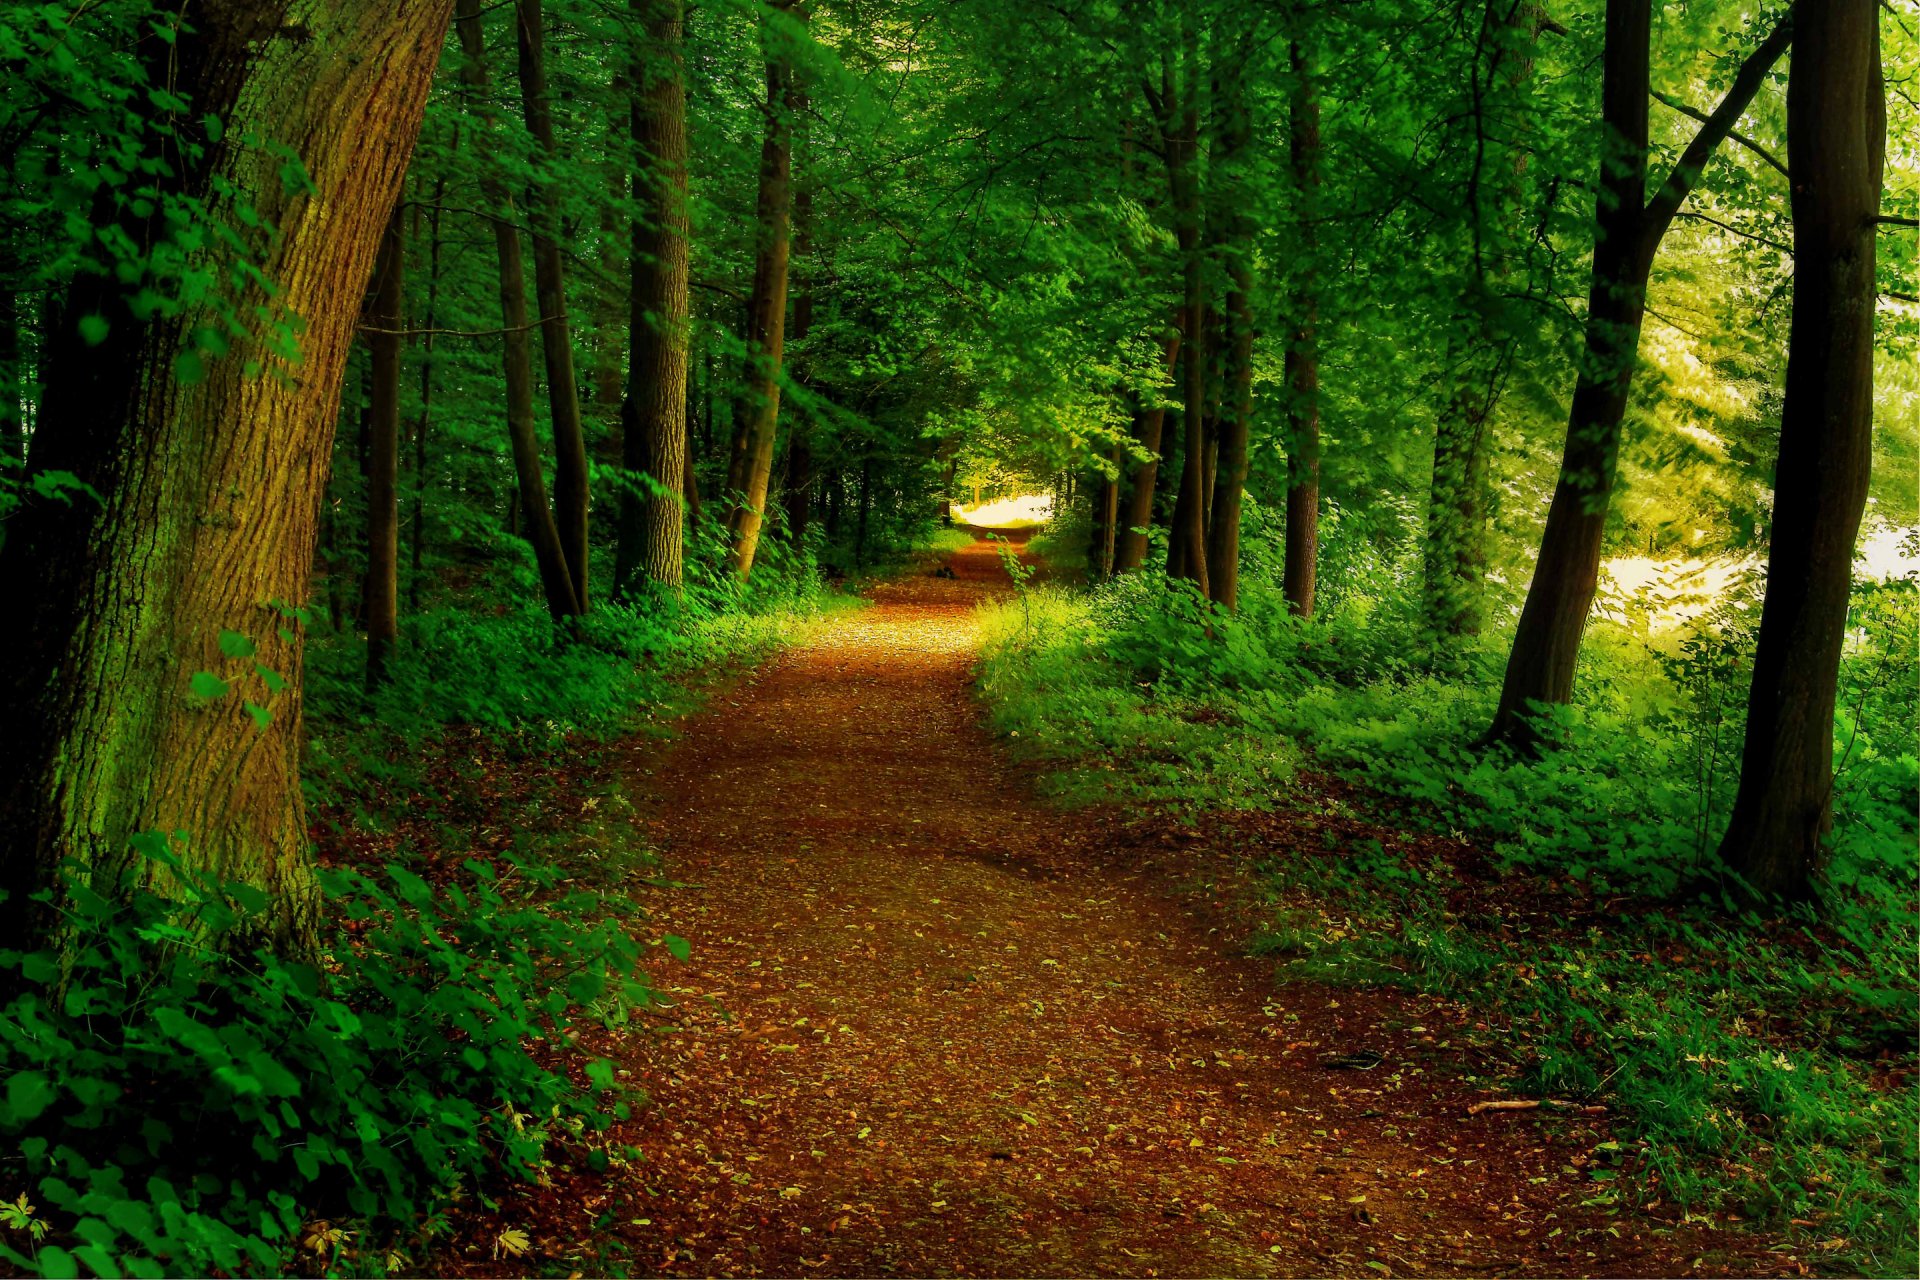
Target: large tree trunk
<point>1546,647</point>
<point>381,586</point>
<point>654,420</point>
<point>550,284</point>
<point>1302,550</point>
<point>1130,552</point>
<point>1836,144</point>
<point>516,352</point>
<point>210,486</point>
<point>13,436</point>
<point>766,310</point>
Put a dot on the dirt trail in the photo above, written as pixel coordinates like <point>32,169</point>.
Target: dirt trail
<point>934,1026</point>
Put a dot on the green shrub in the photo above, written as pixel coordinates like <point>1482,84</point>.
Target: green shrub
<point>174,1108</point>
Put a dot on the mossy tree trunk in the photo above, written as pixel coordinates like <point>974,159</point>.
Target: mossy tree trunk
<point>210,487</point>
<point>1302,548</point>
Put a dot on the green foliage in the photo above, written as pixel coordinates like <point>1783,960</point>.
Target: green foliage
<point>1751,1060</point>
<point>183,1105</point>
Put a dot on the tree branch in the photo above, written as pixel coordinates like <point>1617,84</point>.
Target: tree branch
<point>1746,235</point>
<point>1746,82</point>
<point>1735,134</point>
<point>1895,220</point>
<point>451,333</point>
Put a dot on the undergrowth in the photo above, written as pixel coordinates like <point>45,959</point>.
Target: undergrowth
<point>1766,1067</point>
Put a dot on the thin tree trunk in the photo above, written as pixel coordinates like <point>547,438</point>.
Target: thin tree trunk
<point>416,572</point>
<point>652,527</point>
<point>381,604</point>
<point>1836,147</point>
<point>211,482</point>
<point>1302,551</point>
<point>1187,556</point>
<point>1479,345</point>
<point>556,579</point>
<point>1130,551</point>
<point>1236,411</point>
<point>570,497</point>
<point>13,436</point>
<point>866,505</point>
<point>1546,646</point>
<point>766,310</point>
<point>799,484</point>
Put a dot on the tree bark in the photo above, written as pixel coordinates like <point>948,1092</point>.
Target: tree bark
<point>570,496</point>
<point>766,309</point>
<point>654,419</point>
<point>210,486</point>
<point>1836,147</point>
<point>13,436</point>
<point>1546,646</point>
<point>381,604</point>
<point>1302,550</point>
<point>516,352</point>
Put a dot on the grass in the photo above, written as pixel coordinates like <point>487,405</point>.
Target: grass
<point>1762,1068</point>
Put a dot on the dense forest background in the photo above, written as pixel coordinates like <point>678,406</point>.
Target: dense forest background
<point>1459,398</point>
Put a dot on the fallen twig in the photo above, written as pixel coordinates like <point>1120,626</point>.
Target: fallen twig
<point>1534,1104</point>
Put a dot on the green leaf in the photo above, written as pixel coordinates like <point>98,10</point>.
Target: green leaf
<point>205,684</point>
<point>274,681</point>
<point>28,1094</point>
<point>94,329</point>
<point>235,645</point>
<point>677,947</point>
<point>189,369</point>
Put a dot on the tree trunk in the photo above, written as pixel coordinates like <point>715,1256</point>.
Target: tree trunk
<point>1479,347</point>
<point>381,603</point>
<point>652,525</point>
<point>1836,145</point>
<point>766,309</point>
<point>799,484</point>
<point>1186,553</point>
<point>1546,646</point>
<point>1235,416</point>
<point>556,578</point>
<point>416,573</point>
<point>13,436</point>
<point>211,482</point>
<point>550,283</point>
<point>1130,552</point>
<point>1302,552</point>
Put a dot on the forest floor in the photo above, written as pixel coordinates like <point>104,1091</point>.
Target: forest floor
<point>933,1025</point>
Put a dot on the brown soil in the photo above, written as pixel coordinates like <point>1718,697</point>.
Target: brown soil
<point>934,1026</point>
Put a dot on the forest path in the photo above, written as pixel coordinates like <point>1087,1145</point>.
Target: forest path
<point>934,1026</point>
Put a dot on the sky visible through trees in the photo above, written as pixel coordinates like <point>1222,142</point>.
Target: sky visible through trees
<point>511,636</point>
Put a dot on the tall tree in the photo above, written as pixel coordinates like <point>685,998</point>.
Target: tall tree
<point>1836,149</point>
<point>550,285</point>
<point>654,417</point>
<point>1629,227</point>
<point>380,603</point>
<point>1235,417</point>
<point>209,484</point>
<point>1187,543</point>
<point>1479,342</point>
<point>516,351</point>
<point>767,304</point>
<point>1302,550</point>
